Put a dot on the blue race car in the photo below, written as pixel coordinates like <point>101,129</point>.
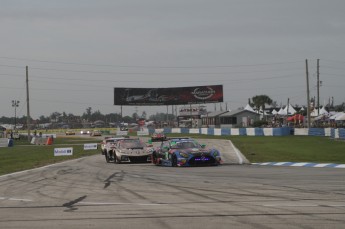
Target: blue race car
<point>185,152</point>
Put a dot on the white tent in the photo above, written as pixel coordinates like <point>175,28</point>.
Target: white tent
<point>274,112</point>
<point>340,117</point>
<point>291,110</point>
<point>249,108</point>
<point>322,111</point>
<point>336,115</point>
<point>282,112</point>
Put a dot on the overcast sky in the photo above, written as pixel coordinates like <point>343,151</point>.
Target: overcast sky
<point>79,50</point>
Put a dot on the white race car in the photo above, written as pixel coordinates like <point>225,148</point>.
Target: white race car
<point>132,150</point>
<point>108,147</point>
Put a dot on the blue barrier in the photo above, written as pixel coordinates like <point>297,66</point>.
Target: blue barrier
<point>225,131</point>
<point>210,131</point>
<point>10,142</point>
<point>243,131</point>
<point>259,131</point>
<point>184,131</point>
<point>283,131</point>
<point>341,133</point>
<point>167,130</point>
<point>316,132</point>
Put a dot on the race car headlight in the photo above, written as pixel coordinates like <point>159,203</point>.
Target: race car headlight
<point>185,155</point>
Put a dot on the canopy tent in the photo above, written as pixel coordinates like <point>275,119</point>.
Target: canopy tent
<point>296,117</point>
<point>341,117</point>
<point>282,112</point>
<point>336,115</point>
<point>249,108</point>
<point>274,112</point>
<point>291,109</point>
<point>323,117</point>
<point>315,112</point>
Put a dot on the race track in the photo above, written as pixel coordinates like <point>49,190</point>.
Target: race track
<point>89,193</point>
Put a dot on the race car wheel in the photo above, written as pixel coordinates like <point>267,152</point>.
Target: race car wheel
<point>106,158</point>
<point>174,161</point>
<point>154,158</point>
<point>116,159</point>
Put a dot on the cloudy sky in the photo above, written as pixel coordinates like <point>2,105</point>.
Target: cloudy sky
<point>77,51</point>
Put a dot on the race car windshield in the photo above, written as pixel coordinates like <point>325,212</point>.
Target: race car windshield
<point>133,145</point>
<point>185,145</point>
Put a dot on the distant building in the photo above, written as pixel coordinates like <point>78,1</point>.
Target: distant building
<point>238,118</point>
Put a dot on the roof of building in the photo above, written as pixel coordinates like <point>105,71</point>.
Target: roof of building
<point>213,114</point>
<point>236,112</point>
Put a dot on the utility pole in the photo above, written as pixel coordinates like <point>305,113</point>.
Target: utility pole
<point>318,87</point>
<point>308,102</point>
<point>27,103</point>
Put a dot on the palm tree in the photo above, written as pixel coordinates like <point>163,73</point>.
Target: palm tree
<point>260,101</point>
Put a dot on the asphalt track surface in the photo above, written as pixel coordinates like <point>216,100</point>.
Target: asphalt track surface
<point>90,193</point>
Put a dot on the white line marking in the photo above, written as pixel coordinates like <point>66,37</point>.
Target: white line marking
<point>15,199</point>
<point>240,159</point>
<point>290,205</point>
<point>102,203</point>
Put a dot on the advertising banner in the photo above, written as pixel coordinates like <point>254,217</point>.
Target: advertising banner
<point>90,146</point>
<point>168,96</point>
<point>63,152</point>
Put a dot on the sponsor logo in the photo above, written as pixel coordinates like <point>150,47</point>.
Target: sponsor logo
<point>63,151</point>
<point>90,146</point>
<point>203,93</point>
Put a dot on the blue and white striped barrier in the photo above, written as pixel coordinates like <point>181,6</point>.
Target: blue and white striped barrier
<point>283,131</point>
<point>303,164</point>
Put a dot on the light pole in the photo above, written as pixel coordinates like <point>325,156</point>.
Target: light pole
<point>15,104</point>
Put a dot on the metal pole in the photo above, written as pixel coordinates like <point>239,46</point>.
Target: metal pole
<point>318,87</point>
<point>27,103</point>
<point>15,104</point>
<point>308,100</point>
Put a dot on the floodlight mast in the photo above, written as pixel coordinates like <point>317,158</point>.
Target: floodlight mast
<point>15,104</point>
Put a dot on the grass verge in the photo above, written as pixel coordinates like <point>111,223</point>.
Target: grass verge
<point>286,148</point>
<point>23,156</point>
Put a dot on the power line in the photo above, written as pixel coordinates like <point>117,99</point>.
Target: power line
<point>153,66</point>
